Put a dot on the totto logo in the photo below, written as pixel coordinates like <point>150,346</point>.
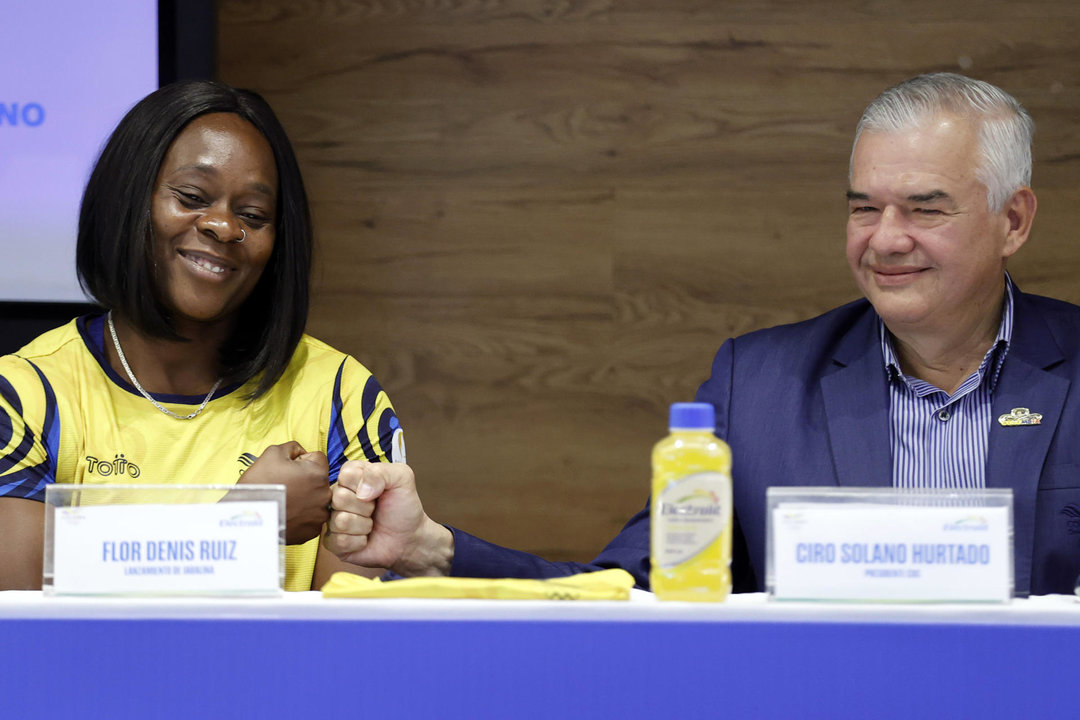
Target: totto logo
<point>118,466</point>
<point>27,114</point>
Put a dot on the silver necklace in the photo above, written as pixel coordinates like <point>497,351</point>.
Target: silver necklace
<point>155,403</point>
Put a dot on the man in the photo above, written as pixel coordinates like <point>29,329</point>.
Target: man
<point>944,376</point>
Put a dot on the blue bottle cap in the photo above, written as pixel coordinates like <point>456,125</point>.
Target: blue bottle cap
<point>692,416</point>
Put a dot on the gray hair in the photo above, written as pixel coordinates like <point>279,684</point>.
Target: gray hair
<point>1005,128</point>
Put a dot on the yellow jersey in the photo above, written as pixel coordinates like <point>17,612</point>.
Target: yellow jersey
<point>66,416</point>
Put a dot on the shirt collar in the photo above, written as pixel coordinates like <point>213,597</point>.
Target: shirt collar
<point>995,355</point>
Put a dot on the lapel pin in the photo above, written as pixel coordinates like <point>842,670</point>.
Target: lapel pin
<point>1020,416</point>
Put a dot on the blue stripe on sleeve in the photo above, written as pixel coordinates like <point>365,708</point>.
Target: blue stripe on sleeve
<point>365,445</point>
<point>337,439</point>
<point>388,423</point>
<point>367,406</point>
<point>51,430</point>
<point>17,455</point>
<point>27,483</point>
<point>6,428</point>
<point>370,397</point>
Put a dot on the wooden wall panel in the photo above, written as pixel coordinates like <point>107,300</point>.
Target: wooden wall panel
<point>538,220</point>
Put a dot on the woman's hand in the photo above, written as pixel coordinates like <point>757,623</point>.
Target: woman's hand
<point>306,477</point>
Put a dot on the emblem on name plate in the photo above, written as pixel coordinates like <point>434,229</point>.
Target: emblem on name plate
<point>1020,416</point>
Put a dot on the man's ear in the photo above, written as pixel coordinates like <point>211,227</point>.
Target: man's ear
<point>1020,213</point>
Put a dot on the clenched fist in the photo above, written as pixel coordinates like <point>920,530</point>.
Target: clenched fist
<point>379,521</point>
<point>306,477</point>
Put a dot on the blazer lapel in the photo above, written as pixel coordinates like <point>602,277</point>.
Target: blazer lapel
<point>856,398</point>
<point>1016,454</point>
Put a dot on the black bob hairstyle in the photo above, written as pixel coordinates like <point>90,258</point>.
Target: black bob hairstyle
<point>114,256</point>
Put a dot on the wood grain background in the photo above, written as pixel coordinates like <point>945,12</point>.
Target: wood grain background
<point>538,220</point>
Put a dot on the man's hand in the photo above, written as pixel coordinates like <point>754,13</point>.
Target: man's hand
<point>378,521</point>
<point>306,477</point>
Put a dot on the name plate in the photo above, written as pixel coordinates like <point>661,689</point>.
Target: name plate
<point>886,545</point>
<point>164,540</point>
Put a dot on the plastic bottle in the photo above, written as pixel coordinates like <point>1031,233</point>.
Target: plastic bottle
<point>691,508</point>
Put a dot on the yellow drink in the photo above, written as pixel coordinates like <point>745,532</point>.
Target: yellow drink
<point>691,509</point>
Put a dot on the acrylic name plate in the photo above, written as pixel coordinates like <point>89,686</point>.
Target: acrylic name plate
<point>164,540</point>
<point>886,545</point>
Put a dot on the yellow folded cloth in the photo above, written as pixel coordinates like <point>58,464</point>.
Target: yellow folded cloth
<point>601,585</point>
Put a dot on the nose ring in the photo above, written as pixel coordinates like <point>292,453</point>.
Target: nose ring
<point>243,236</point>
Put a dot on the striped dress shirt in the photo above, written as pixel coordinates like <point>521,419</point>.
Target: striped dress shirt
<point>940,440</point>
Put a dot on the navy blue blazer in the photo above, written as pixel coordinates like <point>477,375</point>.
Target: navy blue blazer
<point>808,404</point>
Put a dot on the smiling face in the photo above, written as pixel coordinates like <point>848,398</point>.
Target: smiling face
<point>922,243</point>
<point>217,184</point>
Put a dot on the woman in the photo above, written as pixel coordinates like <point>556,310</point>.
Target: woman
<point>195,237</point>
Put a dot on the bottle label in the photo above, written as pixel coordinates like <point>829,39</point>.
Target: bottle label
<point>691,512</point>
